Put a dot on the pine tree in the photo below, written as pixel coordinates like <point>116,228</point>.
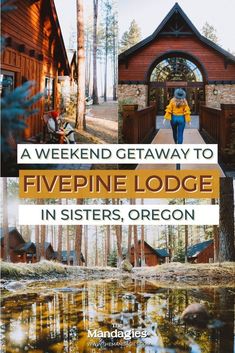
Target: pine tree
<point>80,116</point>
<point>130,37</point>
<point>112,259</point>
<point>95,19</point>
<point>210,32</point>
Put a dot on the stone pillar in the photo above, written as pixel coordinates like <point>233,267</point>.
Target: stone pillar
<point>133,94</point>
<point>225,94</point>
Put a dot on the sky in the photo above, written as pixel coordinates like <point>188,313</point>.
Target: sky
<point>149,14</point>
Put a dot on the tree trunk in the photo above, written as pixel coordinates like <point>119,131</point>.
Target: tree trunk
<point>68,246</point>
<point>226,226</point>
<point>95,17</point>
<point>185,240</point>
<point>170,229</point>
<point>106,58</point>
<point>185,243</point>
<point>86,244</point>
<point>43,238</point>
<point>114,63</point>
<point>37,242</point>
<point>59,237</point>
<point>78,240</point>
<point>216,238</point>
<point>80,116</point>
<point>96,246</point>
<point>5,221</point>
<point>87,64</point>
<point>130,228</point>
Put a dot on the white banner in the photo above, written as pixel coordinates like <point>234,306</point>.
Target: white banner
<point>117,154</point>
<point>119,214</point>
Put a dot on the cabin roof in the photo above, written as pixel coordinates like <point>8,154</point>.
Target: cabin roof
<point>60,37</point>
<point>47,245</point>
<point>176,9</point>
<point>26,247</point>
<point>162,252</point>
<point>159,252</point>
<point>195,250</point>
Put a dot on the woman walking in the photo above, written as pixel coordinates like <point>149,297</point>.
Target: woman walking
<point>178,112</point>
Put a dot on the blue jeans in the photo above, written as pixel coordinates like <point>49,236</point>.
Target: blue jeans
<point>178,125</point>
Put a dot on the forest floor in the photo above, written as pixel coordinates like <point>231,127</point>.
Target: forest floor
<point>101,124</point>
<point>170,274</point>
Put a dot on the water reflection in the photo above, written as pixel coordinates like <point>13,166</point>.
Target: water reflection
<point>57,318</point>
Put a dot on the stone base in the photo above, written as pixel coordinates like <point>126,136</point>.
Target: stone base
<point>133,94</point>
<point>226,95</point>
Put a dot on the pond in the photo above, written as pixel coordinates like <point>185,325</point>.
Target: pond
<point>59,316</point>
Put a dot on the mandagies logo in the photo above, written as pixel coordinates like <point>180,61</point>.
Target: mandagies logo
<point>125,334</point>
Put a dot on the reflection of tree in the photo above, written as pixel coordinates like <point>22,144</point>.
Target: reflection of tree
<point>59,321</point>
<point>225,311</point>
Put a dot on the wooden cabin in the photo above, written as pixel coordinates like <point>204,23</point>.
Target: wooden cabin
<point>19,250</point>
<point>153,257</point>
<point>72,54</point>
<point>50,254</point>
<point>201,252</point>
<point>26,252</point>
<point>177,55</point>
<point>34,50</point>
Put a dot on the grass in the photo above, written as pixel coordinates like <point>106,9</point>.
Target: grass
<point>172,272</point>
<point>39,269</point>
<point>215,273</point>
<point>51,269</point>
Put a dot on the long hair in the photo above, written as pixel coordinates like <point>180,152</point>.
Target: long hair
<point>179,102</point>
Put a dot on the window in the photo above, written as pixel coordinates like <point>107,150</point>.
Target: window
<point>50,94</point>
<point>176,69</point>
<point>7,82</point>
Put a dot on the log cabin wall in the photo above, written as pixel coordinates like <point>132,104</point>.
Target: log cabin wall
<point>34,50</point>
<point>206,254</point>
<point>151,258</point>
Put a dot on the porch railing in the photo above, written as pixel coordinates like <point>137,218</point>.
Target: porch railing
<point>139,125</point>
<point>219,126</point>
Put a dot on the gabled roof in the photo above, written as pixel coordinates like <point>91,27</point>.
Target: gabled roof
<point>195,250</point>
<point>158,252</point>
<point>176,9</point>
<point>47,245</point>
<point>29,246</point>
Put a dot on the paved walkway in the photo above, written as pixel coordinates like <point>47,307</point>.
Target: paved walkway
<point>191,136</point>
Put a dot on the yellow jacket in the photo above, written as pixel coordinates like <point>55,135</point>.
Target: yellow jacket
<point>172,109</point>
